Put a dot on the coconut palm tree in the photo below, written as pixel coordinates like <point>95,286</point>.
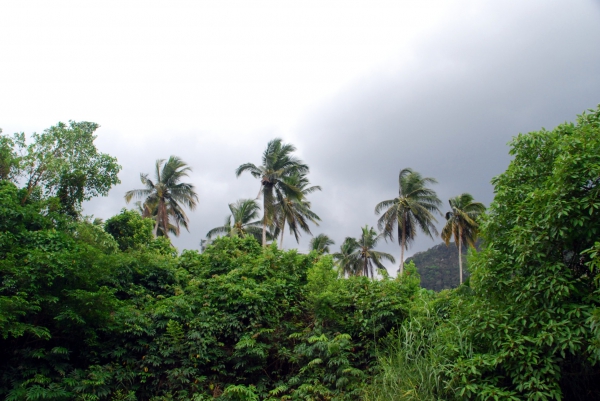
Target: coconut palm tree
<point>414,207</point>
<point>461,223</point>
<point>241,222</point>
<point>151,211</point>
<point>321,243</point>
<point>294,209</point>
<point>278,163</point>
<point>347,258</point>
<point>368,255</point>
<point>168,194</point>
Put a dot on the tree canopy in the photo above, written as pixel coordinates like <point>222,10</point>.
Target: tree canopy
<point>62,161</point>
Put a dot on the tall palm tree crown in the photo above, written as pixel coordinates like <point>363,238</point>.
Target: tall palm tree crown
<point>321,243</point>
<point>413,208</point>
<point>461,223</point>
<point>294,209</point>
<point>167,195</point>
<point>241,222</point>
<point>347,258</point>
<point>278,163</point>
<point>367,254</point>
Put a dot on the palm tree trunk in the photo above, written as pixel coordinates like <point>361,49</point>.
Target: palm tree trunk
<point>282,232</point>
<point>402,247</point>
<point>264,233</point>
<point>165,220</point>
<point>155,232</point>
<point>460,254</point>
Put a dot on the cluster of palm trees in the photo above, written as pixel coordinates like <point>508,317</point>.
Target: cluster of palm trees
<point>284,187</point>
<point>414,208</point>
<point>358,257</point>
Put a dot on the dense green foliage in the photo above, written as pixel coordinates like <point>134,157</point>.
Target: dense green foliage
<point>90,315</point>
<point>62,161</point>
<point>528,326</point>
<point>112,312</point>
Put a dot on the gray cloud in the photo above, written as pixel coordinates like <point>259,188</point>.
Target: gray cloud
<point>486,74</point>
<point>450,112</point>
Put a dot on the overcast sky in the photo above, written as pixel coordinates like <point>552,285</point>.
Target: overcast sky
<point>362,88</point>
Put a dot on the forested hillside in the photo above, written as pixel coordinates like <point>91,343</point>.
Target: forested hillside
<point>438,266</point>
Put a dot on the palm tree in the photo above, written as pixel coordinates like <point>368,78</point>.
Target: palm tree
<point>167,194</point>
<point>321,243</point>
<point>414,207</point>
<point>150,211</point>
<point>277,164</point>
<point>294,209</point>
<point>461,223</point>
<point>368,255</point>
<point>241,222</point>
<point>347,258</point>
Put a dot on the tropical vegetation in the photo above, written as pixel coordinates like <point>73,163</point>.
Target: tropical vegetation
<point>321,243</point>
<point>415,207</point>
<point>241,222</point>
<point>293,209</point>
<point>93,310</point>
<point>347,259</point>
<point>461,224</point>
<point>278,166</point>
<point>165,197</point>
<point>366,255</point>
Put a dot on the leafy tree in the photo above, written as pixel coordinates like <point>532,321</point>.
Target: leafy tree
<point>321,243</point>
<point>64,161</point>
<point>414,207</point>
<point>241,222</point>
<point>536,278</point>
<point>55,306</point>
<point>461,223</point>
<point>130,230</point>
<point>168,193</point>
<point>294,209</point>
<point>278,163</point>
<point>10,155</point>
<point>528,326</point>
